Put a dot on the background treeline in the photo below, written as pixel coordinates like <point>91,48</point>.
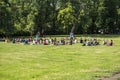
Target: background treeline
<point>27,17</point>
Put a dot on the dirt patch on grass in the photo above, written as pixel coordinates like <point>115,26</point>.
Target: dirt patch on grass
<point>116,76</point>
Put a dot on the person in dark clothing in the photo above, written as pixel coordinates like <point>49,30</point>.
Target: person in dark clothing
<point>81,40</point>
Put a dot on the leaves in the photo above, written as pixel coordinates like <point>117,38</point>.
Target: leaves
<point>66,16</point>
<point>58,16</point>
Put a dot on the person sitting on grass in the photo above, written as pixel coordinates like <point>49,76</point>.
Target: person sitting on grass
<point>38,41</point>
<point>50,40</point>
<point>44,42</point>
<point>55,41</point>
<point>13,41</point>
<point>63,41</point>
<point>81,40</point>
<point>84,42</point>
<point>47,41</point>
<point>71,41</point>
<point>34,41</point>
<point>104,42</point>
<point>111,43</point>
<point>7,40</point>
<point>75,40</point>
<point>96,42</point>
<point>67,40</point>
<point>88,43</point>
<point>41,40</point>
<point>26,41</point>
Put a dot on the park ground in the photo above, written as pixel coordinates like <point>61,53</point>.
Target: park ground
<point>68,62</point>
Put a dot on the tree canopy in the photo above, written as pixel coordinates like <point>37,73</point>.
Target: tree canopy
<point>27,17</point>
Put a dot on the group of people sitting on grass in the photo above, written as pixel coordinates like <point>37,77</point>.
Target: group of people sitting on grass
<point>45,41</point>
<point>62,41</point>
<point>108,43</point>
<point>95,42</point>
<point>90,42</point>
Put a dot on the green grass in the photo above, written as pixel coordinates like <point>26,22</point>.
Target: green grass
<point>76,62</point>
<point>118,78</point>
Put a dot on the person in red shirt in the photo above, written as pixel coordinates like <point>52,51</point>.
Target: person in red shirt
<point>111,43</point>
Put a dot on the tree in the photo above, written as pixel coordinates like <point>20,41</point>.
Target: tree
<point>22,17</point>
<point>6,22</point>
<point>66,16</point>
<point>108,15</point>
<point>22,14</point>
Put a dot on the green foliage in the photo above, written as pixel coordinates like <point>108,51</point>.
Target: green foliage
<point>59,16</point>
<point>6,21</point>
<point>66,16</point>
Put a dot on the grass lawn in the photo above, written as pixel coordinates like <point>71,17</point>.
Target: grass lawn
<point>76,62</point>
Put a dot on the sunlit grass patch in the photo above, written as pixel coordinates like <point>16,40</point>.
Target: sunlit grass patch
<point>68,62</point>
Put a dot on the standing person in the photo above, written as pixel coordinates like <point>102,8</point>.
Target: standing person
<point>71,38</point>
<point>37,36</point>
<point>71,35</point>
